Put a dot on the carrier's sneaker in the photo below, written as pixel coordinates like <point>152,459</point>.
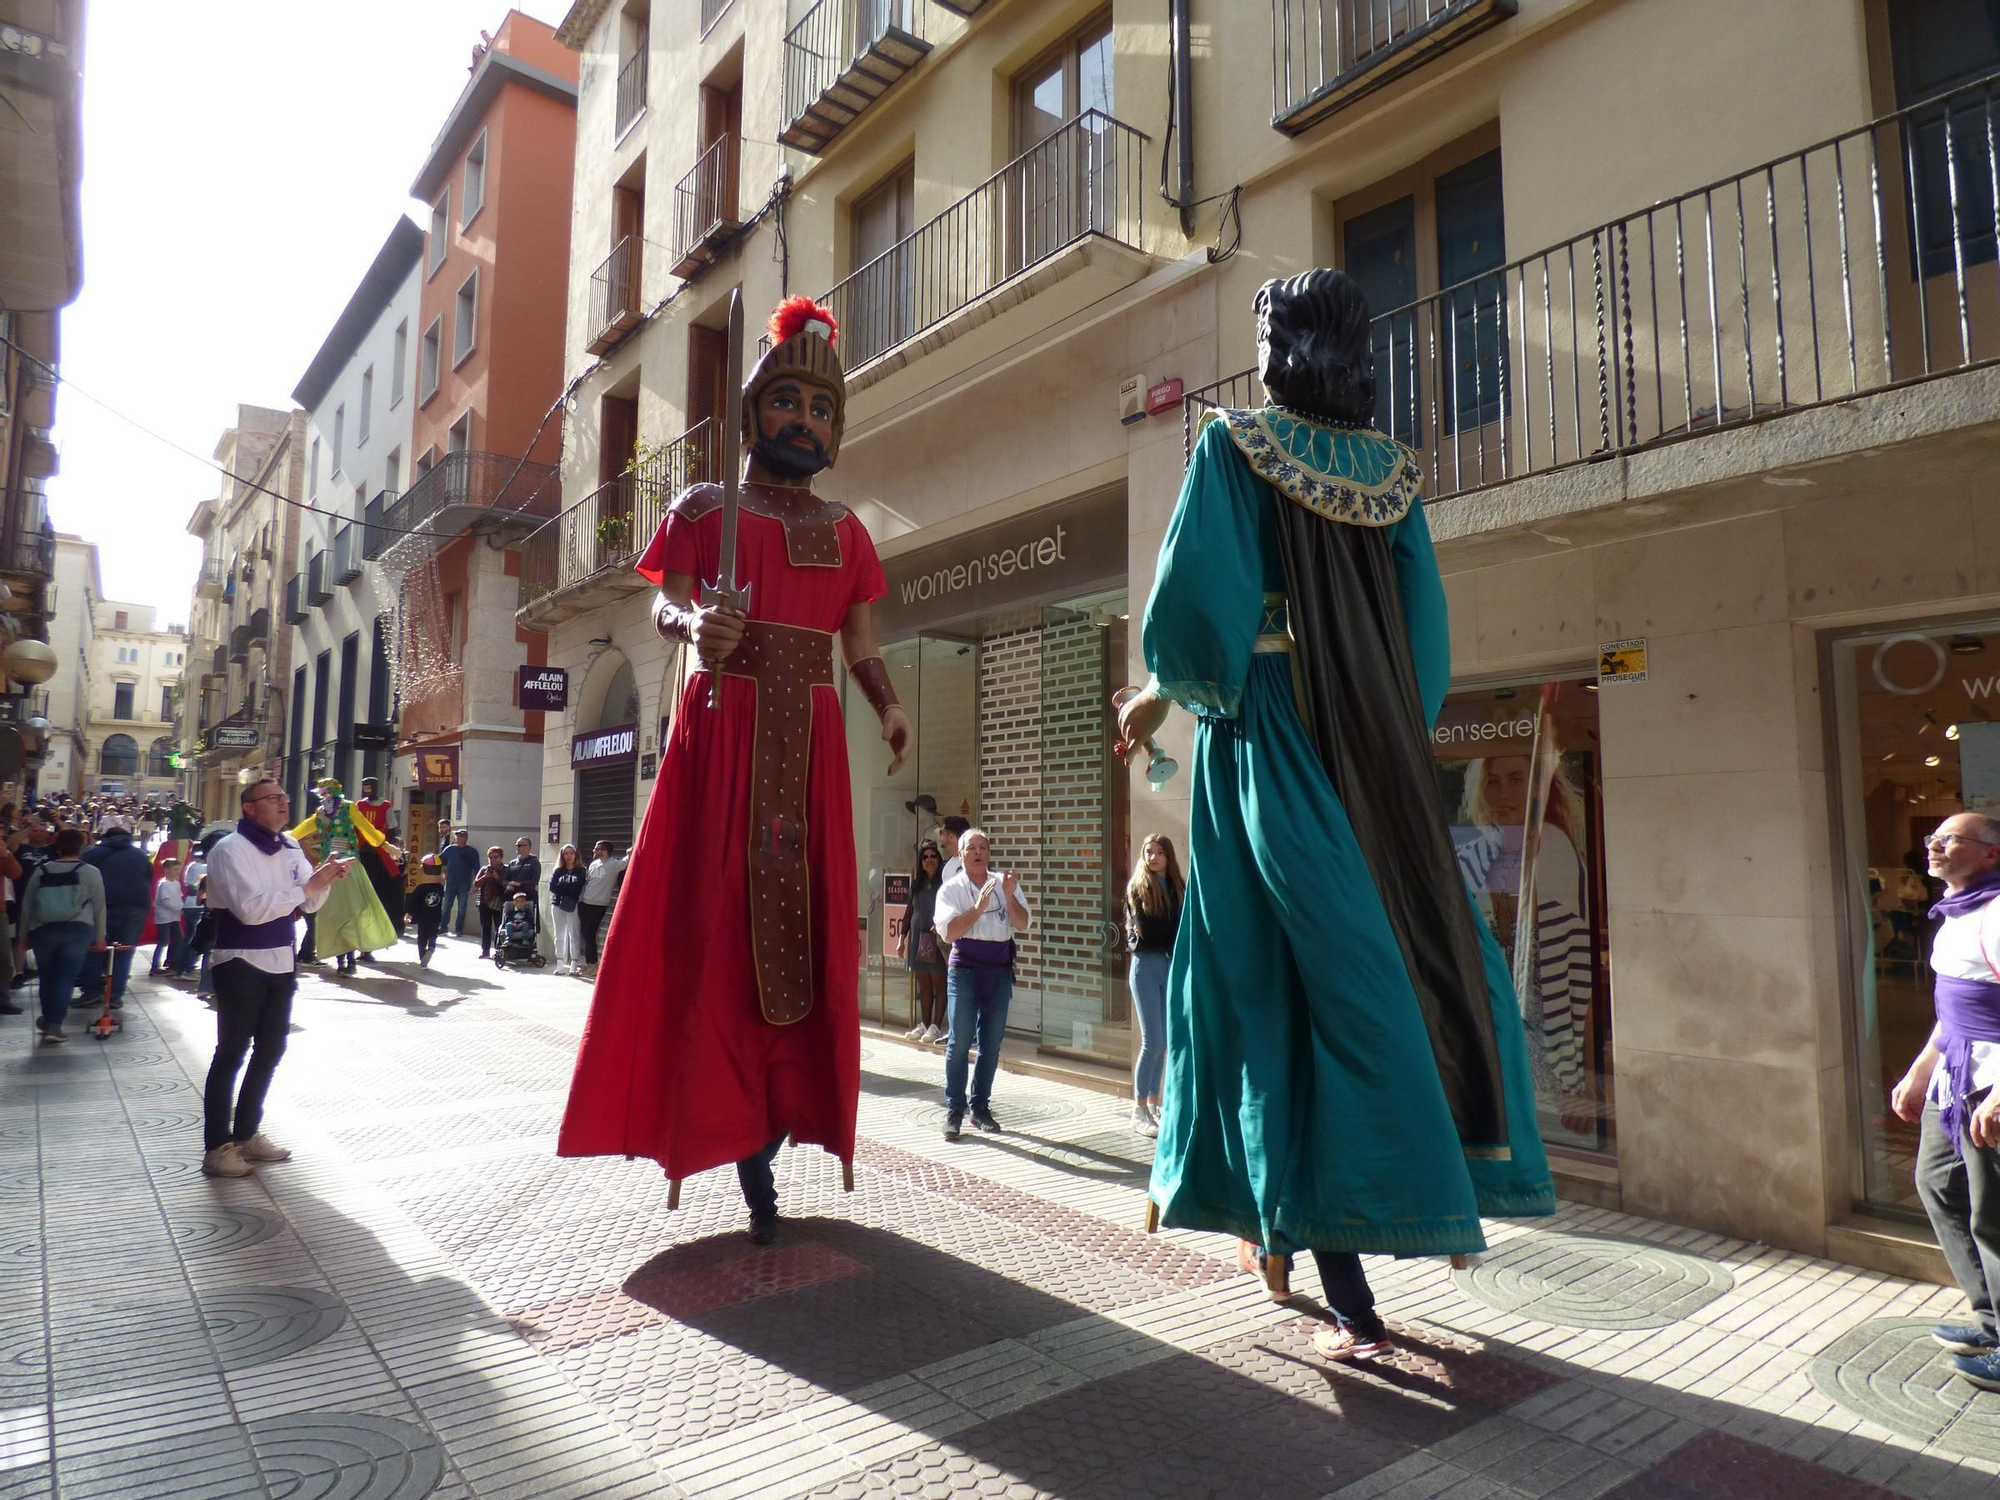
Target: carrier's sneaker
<point>953,1123</point>
<point>1344,1344</point>
<point>52,1035</point>
<point>1143,1122</point>
<point>226,1160</point>
<point>260,1147</point>
<point>1983,1370</point>
<point>983,1119</point>
<point>1964,1338</point>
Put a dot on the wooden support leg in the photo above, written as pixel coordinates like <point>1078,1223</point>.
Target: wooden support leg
<point>673,1194</point>
<point>1152,1217</point>
<point>847,1177</point>
<point>1460,1262</point>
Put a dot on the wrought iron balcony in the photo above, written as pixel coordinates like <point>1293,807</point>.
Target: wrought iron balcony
<point>460,489</point>
<point>711,12</point>
<point>1826,275</point>
<point>296,612</point>
<point>705,209</point>
<point>843,56</point>
<point>376,538</point>
<point>346,552</point>
<point>614,296</point>
<point>597,538</point>
<point>631,91</point>
<point>1085,179</point>
<point>1325,54</point>
<point>318,589</point>
<point>208,583</point>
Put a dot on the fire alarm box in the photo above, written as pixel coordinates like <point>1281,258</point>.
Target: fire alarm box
<point>1132,400</point>
<point>1163,397</point>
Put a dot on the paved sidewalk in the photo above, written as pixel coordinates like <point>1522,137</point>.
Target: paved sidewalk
<point>427,1302</point>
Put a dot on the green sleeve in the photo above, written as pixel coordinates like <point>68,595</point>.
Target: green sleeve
<point>1207,601</point>
<point>1425,614</point>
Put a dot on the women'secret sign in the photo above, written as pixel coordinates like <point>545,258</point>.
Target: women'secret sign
<point>605,747</point>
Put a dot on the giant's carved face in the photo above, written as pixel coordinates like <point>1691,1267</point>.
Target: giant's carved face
<point>795,418</point>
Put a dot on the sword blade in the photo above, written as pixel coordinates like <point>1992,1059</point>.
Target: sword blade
<point>732,440</point>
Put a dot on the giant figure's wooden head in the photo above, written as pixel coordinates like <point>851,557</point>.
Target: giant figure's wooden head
<point>1313,350</point>
<point>795,400</point>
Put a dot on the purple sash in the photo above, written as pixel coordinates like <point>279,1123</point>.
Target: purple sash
<point>1968,1011</point>
<point>982,953</point>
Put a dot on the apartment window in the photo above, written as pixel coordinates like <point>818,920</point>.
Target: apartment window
<point>1063,181</point>
<point>120,620</point>
<point>312,473</point>
<point>392,471</point>
<point>339,434</point>
<point>464,319</point>
<point>1936,49</point>
<point>426,461</point>
<point>880,306</point>
<point>399,364</point>
<point>440,235</point>
<point>1438,225</point>
<point>166,703</point>
<point>121,700</point>
<point>322,687</point>
<point>367,400</point>
<point>431,358</point>
<point>475,181</point>
<point>459,438</point>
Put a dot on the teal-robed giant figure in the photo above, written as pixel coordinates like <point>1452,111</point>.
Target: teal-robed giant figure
<point>1347,1068</point>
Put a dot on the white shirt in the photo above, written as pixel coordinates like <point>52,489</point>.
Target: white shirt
<point>1956,953</point>
<point>959,895</point>
<point>168,901</point>
<point>191,876</point>
<point>601,883</point>
<point>952,866</point>
<point>259,887</point>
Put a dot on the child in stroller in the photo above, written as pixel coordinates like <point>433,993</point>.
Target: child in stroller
<point>519,930</point>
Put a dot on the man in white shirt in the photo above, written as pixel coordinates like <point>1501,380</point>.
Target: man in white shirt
<point>259,880</point>
<point>949,831</point>
<point>1951,1087</point>
<point>979,910</point>
<point>600,889</point>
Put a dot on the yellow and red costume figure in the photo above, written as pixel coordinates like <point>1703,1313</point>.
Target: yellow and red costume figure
<point>724,1016</point>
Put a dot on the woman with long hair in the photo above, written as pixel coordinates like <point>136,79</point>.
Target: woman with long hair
<point>565,889</point>
<point>1152,917</point>
<point>1556,1007</point>
<point>918,944</point>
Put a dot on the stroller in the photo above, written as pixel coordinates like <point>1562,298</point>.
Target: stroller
<point>518,940</point>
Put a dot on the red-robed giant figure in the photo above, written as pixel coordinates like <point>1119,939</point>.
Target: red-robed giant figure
<point>724,1016</point>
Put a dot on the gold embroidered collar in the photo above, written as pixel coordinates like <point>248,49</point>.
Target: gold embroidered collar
<point>1351,474</point>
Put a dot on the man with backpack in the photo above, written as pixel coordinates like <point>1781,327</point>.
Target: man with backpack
<point>128,901</point>
<point>63,915</point>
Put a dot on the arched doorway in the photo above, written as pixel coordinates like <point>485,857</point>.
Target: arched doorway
<point>158,764</point>
<point>119,756</point>
<point>604,760</point>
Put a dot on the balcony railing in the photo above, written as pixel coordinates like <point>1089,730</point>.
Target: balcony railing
<point>208,583</point>
<point>614,296</point>
<point>346,552</point>
<point>611,526</point>
<point>711,12</point>
<point>1325,54</point>
<point>375,537</point>
<point>28,554</point>
<point>1085,179</point>
<point>843,56</point>
<point>296,612</point>
<point>490,482</point>
<point>1839,270</point>
<point>318,590</point>
<point>705,208</point>
<point>631,91</point>
<point>239,643</point>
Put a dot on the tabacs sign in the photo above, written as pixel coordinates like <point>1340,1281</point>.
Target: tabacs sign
<point>437,768</point>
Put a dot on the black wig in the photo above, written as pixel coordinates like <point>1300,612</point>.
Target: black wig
<point>1313,346</point>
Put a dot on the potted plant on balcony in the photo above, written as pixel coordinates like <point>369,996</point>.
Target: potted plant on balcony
<point>612,532</point>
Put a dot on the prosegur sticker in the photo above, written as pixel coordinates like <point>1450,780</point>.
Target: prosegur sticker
<point>1622,661</point>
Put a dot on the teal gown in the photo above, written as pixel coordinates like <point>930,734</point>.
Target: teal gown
<point>1312,1101</point>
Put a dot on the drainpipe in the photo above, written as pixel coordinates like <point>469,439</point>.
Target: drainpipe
<point>1183,111</point>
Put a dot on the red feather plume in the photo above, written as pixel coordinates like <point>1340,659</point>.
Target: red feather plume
<point>794,313</point>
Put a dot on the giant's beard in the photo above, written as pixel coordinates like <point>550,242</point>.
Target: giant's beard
<point>781,454</point>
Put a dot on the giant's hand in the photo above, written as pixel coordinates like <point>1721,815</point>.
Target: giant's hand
<point>1139,720</point>
<point>717,632</point>
<point>897,735</point>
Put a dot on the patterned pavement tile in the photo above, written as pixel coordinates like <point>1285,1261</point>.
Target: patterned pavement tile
<point>1716,1466</point>
<point>1890,1372</point>
<point>1585,1282</point>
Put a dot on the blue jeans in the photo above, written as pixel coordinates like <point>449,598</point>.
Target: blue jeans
<point>458,897</point>
<point>976,1000</point>
<point>168,950</point>
<point>1149,999</point>
<point>60,951</point>
<point>122,924</point>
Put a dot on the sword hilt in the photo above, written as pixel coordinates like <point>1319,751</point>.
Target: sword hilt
<point>719,595</point>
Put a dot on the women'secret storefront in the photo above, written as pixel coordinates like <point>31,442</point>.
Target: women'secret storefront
<point>1005,645</point>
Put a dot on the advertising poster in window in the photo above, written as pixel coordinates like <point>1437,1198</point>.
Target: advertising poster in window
<point>895,916</point>
<point>1484,746</point>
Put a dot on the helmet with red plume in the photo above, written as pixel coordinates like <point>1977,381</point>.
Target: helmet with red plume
<point>803,334</point>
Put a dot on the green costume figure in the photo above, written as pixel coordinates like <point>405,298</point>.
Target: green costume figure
<point>1347,1070</point>
<point>352,921</point>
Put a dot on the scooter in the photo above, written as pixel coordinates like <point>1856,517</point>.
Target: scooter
<point>110,1020</point>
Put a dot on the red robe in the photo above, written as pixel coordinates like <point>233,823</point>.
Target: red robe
<point>677,1061</point>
